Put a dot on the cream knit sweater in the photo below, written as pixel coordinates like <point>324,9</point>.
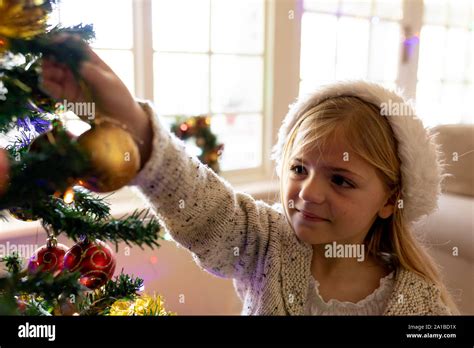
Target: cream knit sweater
<point>234,236</point>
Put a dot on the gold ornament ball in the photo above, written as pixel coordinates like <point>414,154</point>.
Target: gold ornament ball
<point>114,156</point>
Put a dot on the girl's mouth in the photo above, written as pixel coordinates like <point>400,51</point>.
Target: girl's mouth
<point>308,217</point>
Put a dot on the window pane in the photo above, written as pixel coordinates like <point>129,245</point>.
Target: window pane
<point>384,51</point>
<point>428,97</point>
<point>122,63</point>
<point>352,48</point>
<point>459,12</point>
<point>181,25</point>
<point>242,138</point>
<point>452,102</point>
<point>330,6</point>
<point>388,84</point>
<point>237,26</point>
<point>181,83</point>
<point>356,7</point>
<point>456,54</point>
<point>112,20</point>
<point>432,46</point>
<point>308,86</point>
<point>388,9</point>
<point>53,18</point>
<point>468,104</point>
<point>318,46</point>
<point>470,70</point>
<point>237,83</point>
<point>435,11</point>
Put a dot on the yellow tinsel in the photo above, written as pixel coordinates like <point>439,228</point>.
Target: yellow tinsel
<point>143,305</point>
<point>121,307</point>
<point>22,19</point>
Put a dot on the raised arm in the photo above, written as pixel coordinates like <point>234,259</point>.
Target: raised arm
<point>227,231</point>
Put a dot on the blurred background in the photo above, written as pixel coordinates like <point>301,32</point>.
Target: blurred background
<point>242,62</point>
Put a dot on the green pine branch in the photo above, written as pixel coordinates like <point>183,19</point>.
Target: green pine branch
<point>90,204</point>
<point>69,52</point>
<point>98,301</point>
<point>37,175</point>
<point>130,229</point>
<point>22,81</point>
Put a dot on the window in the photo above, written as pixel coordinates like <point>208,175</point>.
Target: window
<point>112,20</point>
<point>362,38</point>
<point>445,92</point>
<point>349,39</point>
<point>209,59</point>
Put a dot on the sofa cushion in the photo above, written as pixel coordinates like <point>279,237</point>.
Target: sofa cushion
<point>457,145</point>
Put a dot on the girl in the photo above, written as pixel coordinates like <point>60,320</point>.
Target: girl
<point>353,180</point>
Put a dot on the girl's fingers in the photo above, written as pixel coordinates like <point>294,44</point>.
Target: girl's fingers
<point>72,91</point>
<point>53,72</point>
<point>52,88</point>
<point>3,170</point>
<point>94,58</point>
<point>59,82</point>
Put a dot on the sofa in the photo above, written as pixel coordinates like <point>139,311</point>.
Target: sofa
<point>449,232</point>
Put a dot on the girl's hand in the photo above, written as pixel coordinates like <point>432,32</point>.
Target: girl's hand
<point>3,171</point>
<point>108,92</point>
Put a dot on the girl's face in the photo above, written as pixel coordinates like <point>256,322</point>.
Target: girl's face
<point>341,188</point>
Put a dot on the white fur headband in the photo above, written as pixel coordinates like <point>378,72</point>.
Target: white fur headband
<point>421,166</point>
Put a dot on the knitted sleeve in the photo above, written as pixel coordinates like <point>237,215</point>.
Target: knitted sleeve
<point>228,232</point>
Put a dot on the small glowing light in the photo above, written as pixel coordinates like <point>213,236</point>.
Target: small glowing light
<point>208,120</point>
<point>68,196</point>
<point>184,127</point>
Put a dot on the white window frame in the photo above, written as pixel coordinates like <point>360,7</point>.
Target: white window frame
<point>144,86</point>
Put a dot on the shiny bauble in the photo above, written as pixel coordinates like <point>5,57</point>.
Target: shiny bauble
<point>48,258</point>
<point>114,156</point>
<point>94,260</point>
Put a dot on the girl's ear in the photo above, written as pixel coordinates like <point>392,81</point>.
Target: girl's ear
<point>386,211</point>
<point>389,207</point>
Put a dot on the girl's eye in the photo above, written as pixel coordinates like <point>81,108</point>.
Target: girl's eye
<point>340,179</point>
<point>297,169</point>
<point>337,179</point>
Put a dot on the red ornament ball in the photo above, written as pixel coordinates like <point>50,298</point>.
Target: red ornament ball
<point>94,260</point>
<point>48,258</point>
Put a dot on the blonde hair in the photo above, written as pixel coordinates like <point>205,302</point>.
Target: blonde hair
<point>389,240</point>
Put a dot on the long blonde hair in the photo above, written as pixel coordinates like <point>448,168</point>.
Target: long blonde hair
<point>371,137</point>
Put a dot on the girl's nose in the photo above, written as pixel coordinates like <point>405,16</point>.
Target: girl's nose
<point>313,189</point>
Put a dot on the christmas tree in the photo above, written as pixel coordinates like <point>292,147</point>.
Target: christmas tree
<point>50,175</point>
